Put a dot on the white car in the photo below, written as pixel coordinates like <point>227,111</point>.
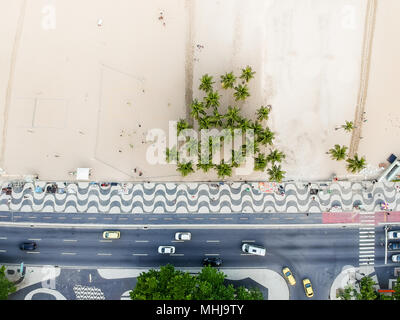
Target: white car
<point>396,258</point>
<point>166,249</point>
<point>183,236</point>
<point>253,249</point>
<point>393,235</point>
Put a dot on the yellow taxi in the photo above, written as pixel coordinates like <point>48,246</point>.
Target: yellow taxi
<point>289,276</point>
<point>111,234</point>
<point>308,288</point>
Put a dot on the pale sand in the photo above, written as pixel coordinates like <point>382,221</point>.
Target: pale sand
<point>75,88</point>
<point>381,131</point>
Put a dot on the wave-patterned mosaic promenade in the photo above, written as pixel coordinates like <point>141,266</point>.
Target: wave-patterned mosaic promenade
<point>201,197</point>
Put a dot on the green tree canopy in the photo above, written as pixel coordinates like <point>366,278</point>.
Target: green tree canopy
<point>171,284</point>
<point>6,286</point>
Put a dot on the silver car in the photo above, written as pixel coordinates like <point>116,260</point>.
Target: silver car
<point>396,258</point>
<point>183,236</point>
<point>166,249</point>
<point>393,235</point>
<point>253,249</point>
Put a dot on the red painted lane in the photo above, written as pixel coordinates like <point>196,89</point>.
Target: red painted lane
<point>354,217</point>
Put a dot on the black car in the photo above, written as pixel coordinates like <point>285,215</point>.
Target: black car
<point>394,245</point>
<point>28,246</point>
<point>213,262</point>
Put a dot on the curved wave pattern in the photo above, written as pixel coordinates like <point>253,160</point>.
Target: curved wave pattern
<point>233,197</point>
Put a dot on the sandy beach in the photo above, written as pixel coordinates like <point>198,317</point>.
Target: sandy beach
<point>83,87</point>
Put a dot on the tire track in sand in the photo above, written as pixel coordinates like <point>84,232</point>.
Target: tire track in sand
<point>14,53</point>
<point>189,56</point>
<point>369,29</point>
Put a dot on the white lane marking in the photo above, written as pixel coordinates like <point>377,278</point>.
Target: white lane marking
<point>167,218</point>
<point>367,244</point>
<point>47,217</point>
<point>153,218</point>
<point>246,254</point>
<point>228,218</point>
<point>248,240</point>
<point>3,238</point>
<point>366,255</point>
<point>105,240</point>
<point>92,218</point>
<point>3,216</point>
<point>141,240</point>
<point>61,218</point>
<point>289,218</point>
<point>32,252</point>
<point>136,218</point>
<point>366,259</point>
<point>368,240</point>
<point>177,254</point>
<point>177,241</point>
<point>183,218</point>
<point>139,254</point>
<point>211,254</point>
<point>212,240</point>
<point>213,218</point>
<point>76,218</point>
<point>32,217</point>
<point>107,218</point>
<point>367,228</point>
<point>70,240</point>
<point>260,218</point>
<point>123,218</point>
<point>17,216</point>
<point>104,254</point>
<point>69,253</point>
<point>90,277</point>
<point>367,251</point>
<point>3,250</point>
<point>198,218</point>
<point>34,239</point>
<point>367,232</point>
<point>243,218</point>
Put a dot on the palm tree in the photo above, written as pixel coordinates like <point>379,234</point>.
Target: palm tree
<point>245,124</point>
<point>205,122</point>
<point>182,124</point>
<point>237,158</point>
<point>228,80</point>
<point>260,162</point>
<point>349,126</point>
<point>276,156</point>
<point>266,137</point>
<point>256,126</point>
<point>185,168</point>
<point>171,154</point>
<point>192,146</point>
<point>263,113</point>
<point>232,116</point>
<point>206,83</point>
<point>224,169</point>
<point>251,145</point>
<point>247,74</point>
<point>275,173</point>
<point>205,166</point>
<point>197,109</point>
<point>338,153</point>
<point>212,99</point>
<point>356,164</point>
<point>216,118</point>
<point>241,92</point>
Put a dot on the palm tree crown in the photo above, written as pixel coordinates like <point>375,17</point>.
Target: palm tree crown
<point>224,169</point>
<point>185,168</point>
<point>197,109</point>
<point>182,124</point>
<point>212,99</point>
<point>232,116</point>
<point>356,164</point>
<point>266,137</point>
<point>241,92</point>
<point>276,156</point>
<point>338,153</point>
<point>260,162</point>
<point>206,83</point>
<point>348,126</point>
<point>263,113</point>
<point>228,80</point>
<point>275,173</point>
<point>247,74</point>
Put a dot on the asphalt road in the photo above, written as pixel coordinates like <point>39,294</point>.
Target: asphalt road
<point>318,254</point>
